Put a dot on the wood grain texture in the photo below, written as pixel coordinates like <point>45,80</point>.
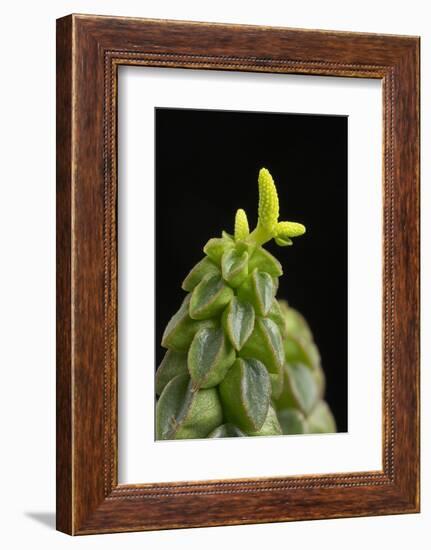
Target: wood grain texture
<point>64,497</point>
<point>90,49</point>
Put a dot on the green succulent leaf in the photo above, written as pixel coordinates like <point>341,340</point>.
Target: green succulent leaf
<point>292,421</point>
<point>245,393</point>
<point>204,267</point>
<point>259,290</point>
<point>209,358</point>
<point>204,414</point>
<point>238,322</point>
<point>265,261</point>
<point>264,291</point>
<point>170,406</point>
<point>173,364</point>
<point>227,430</point>
<point>283,241</point>
<point>321,419</point>
<point>276,282</point>
<point>271,426</point>
<point>295,322</point>
<point>234,266</point>
<point>209,297</point>
<point>180,330</point>
<point>182,413</point>
<point>299,350</point>
<point>228,236</point>
<point>285,399</point>
<point>265,344</point>
<point>277,381</point>
<point>319,377</point>
<point>300,388</point>
<point>215,248</point>
<point>276,314</point>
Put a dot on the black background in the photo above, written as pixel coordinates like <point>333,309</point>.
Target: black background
<point>207,163</point>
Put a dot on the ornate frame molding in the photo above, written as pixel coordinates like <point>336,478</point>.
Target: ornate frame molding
<point>90,49</point>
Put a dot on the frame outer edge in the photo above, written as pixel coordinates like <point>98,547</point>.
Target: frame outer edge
<point>407,270</point>
<point>64,369</point>
<point>84,503</point>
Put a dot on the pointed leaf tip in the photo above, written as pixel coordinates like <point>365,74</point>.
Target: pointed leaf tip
<point>234,267</point>
<point>283,242</point>
<point>209,297</point>
<point>238,322</point>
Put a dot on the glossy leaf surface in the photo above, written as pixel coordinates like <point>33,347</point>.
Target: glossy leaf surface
<point>209,297</point>
<point>173,364</point>
<point>245,393</point>
<point>271,426</point>
<point>265,261</point>
<point>234,266</point>
<point>182,413</point>
<point>238,322</point>
<point>205,267</point>
<point>259,290</point>
<point>215,248</point>
<point>209,358</point>
<point>276,314</point>
<point>180,330</point>
<point>265,344</point>
<point>301,384</point>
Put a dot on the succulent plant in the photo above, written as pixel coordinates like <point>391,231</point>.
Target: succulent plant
<point>239,362</point>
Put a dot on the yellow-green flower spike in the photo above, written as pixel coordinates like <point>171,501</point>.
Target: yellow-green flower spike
<point>242,229</point>
<point>290,229</point>
<point>268,201</point>
<point>268,227</point>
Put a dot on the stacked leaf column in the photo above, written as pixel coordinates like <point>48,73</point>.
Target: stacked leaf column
<point>238,362</point>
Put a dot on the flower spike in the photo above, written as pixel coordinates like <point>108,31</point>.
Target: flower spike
<point>268,227</point>
<point>242,230</point>
<point>268,201</point>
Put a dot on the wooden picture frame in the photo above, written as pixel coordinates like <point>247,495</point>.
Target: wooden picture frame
<point>89,51</point>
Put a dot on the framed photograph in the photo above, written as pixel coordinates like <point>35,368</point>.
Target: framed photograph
<point>237,274</point>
